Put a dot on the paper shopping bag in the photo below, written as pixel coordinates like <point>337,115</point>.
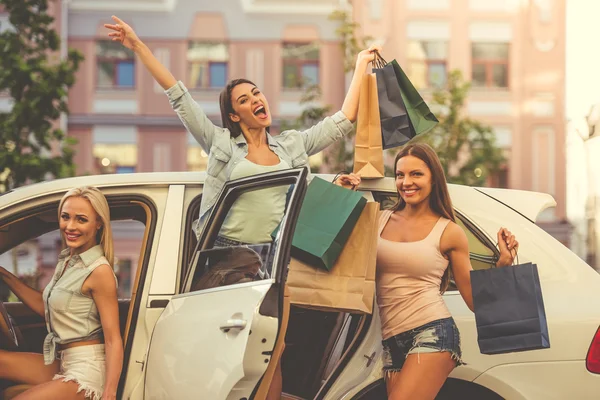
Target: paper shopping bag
<point>368,149</point>
<point>509,309</point>
<point>350,285</point>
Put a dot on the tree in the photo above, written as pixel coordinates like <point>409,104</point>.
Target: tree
<point>311,114</point>
<point>466,147</point>
<point>339,157</point>
<point>31,146</point>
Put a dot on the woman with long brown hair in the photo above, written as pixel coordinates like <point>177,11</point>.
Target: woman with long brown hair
<point>243,146</point>
<point>419,244</point>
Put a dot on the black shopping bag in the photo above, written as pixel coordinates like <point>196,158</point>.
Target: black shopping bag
<point>396,129</point>
<point>403,112</point>
<point>509,309</point>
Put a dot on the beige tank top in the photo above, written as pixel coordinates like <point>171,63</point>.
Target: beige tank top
<point>408,280</point>
<point>255,215</point>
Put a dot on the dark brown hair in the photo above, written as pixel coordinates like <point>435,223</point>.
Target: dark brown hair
<point>225,101</point>
<point>439,198</point>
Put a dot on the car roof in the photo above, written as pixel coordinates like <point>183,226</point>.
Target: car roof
<point>529,204</point>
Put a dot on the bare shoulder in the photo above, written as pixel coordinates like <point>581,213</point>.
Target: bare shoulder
<point>102,278</point>
<point>454,238</point>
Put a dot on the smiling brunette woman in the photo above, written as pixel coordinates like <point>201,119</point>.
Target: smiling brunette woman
<point>419,244</point>
<point>83,352</point>
<point>243,147</point>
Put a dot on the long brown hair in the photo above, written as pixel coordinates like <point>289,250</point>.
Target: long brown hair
<point>439,198</point>
<point>226,104</point>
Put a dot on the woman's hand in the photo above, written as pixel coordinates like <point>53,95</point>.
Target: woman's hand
<point>350,106</point>
<point>123,33</point>
<point>367,56</point>
<point>508,246</point>
<point>349,181</point>
<point>106,396</point>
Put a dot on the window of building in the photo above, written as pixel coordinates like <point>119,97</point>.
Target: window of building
<point>490,65</point>
<point>300,65</point>
<point>117,158</point>
<point>499,178</point>
<point>427,65</point>
<point>116,65</point>
<point>208,65</point>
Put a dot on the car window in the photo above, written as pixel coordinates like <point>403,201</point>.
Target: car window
<point>246,243</point>
<point>481,255</point>
<point>31,245</point>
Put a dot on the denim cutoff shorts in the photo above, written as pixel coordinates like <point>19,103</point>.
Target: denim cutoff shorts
<point>85,365</point>
<point>436,336</point>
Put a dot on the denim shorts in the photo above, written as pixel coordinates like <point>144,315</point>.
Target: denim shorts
<point>436,336</point>
<point>85,365</point>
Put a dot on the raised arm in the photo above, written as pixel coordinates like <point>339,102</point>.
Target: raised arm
<point>189,112</point>
<point>339,125</point>
<point>350,106</point>
<point>30,297</point>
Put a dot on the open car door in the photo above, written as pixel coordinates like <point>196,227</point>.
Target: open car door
<point>216,338</point>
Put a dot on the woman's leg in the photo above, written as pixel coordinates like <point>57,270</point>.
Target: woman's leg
<point>422,376</point>
<point>53,390</point>
<point>27,368</point>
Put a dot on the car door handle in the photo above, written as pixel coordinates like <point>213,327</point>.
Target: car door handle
<point>234,324</point>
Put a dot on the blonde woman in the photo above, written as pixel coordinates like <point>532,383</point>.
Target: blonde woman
<point>83,352</point>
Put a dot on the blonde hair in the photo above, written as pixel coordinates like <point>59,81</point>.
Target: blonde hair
<point>100,205</point>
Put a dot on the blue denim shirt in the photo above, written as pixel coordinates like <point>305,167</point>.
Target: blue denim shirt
<point>225,151</point>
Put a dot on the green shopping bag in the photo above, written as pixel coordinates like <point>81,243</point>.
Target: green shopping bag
<point>327,217</point>
<point>420,116</point>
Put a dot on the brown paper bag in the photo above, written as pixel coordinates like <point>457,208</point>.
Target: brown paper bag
<point>368,147</point>
<point>350,285</point>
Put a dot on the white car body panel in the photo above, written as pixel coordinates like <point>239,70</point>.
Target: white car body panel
<point>204,361</point>
<point>554,380</point>
<point>164,277</point>
<point>530,204</point>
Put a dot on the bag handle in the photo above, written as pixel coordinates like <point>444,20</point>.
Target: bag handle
<point>378,61</point>
<point>335,178</point>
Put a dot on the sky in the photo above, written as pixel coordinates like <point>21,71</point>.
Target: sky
<point>583,57</point>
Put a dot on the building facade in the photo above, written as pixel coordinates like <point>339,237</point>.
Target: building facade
<point>583,185</point>
<point>122,118</point>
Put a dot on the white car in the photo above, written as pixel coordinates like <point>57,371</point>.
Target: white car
<point>187,339</point>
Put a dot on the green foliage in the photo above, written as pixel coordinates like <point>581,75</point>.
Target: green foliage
<point>31,73</point>
<point>466,147</point>
<point>340,156</point>
<point>312,113</point>
<point>350,43</point>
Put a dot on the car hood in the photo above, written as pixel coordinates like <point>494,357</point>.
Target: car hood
<point>528,204</point>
